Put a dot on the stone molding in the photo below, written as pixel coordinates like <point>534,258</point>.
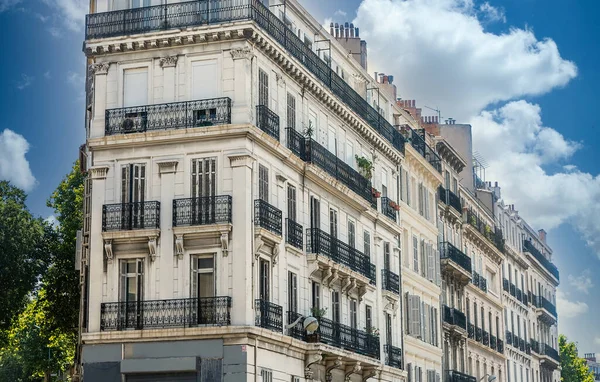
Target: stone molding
<point>99,172</point>
<point>167,167</point>
<point>244,53</point>
<point>168,62</point>
<point>100,68</point>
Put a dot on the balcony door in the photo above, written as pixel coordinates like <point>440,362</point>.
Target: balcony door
<point>263,88</point>
<point>204,189</point>
<point>264,278</point>
<point>133,186</point>
<point>202,289</point>
<point>131,293</point>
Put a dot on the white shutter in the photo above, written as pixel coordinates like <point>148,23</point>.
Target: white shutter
<point>426,324</point>
<point>431,268</point>
<point>135,87</point>
<point>205,79</point>
<point>438,275</point>
<point>410,372</point>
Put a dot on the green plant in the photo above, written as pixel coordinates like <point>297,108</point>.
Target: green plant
<point>309,131</point>
<point>473,221</point>
<point>488,232</point>
<point>318,312</point>
<point>372,331</point>
<point>365,166</point>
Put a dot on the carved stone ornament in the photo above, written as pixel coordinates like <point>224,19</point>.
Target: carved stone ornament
<point>100,68</point>
<point>99,172</point>
<point>275,254</point>
<point>152,247</point>
<point>242,53</point>
<point>225,243</point>
<point>179,246</point>
<point>168,62</point>
<point>168,167</point>
<point>108,250</point>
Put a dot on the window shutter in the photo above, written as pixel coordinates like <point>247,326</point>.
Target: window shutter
<point>420,198</point>
<point>211,370</point>
<point>409,313</point>
<point>438,275</point>
<point>423,259</point>
<point>410,372</point>
<point>431,268</point>
<point>426,336</point>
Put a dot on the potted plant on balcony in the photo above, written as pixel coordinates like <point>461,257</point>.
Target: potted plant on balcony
<point>373,331</point>
<point>376,194</point>
<point>309,131</point>
<point>317,313</point>
<point>365,167</point>
<point>394,205</point>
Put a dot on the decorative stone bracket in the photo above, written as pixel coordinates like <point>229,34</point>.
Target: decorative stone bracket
<point>310,360</point>
<point>108,250</point>
<point>261,240</point>
<point>152,241</point>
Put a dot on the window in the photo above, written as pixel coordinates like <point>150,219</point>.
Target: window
<point>204,173</point>
<point>135,87</point>
<point>333,223</point>
<point>332,141</point>
<point>203,276</point>
<point>266,375</point>
<point>315,213</point>
<point>367,243</point>
<point>384,187</point>
<point>351,234</point>
<point>291,202</point>
<point>132,280</point>
<point>291,111</point>
<point>368,318</point>
<point>263,88</point>
<point>292,292</point>
<point>133,183</point>
<point>335,306</point>
<point>386,256</point>
<point>415,254</point>
<point>350,155</point>
<point>316,295</point>
<point>353,313</point>
<point>421,201</point>
<point>388,328</point>
<point>264,279</point>
<point>263,183</point>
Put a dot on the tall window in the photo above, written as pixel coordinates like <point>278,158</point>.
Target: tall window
<point>291,111</point>
<point>351,234</point>
<point>384,186</point>
<point>388,328</point>
<point>335,306</point>
<point>415,254</point>
<point>263,183</point>
<point>264,279</point>
<point>367,243</point>
<point>135,87</point>
<point>204,181</point>
<point>263,88</point>
<point>350,154</point>
<point>368,318</point>
<point>353,313</point>
<point>333,223</point>
<point>386,255</point>
<point>292,292</point>
<point>316,295</point>
<point>291,202</point>
<point>132,280</point>
<point>203,276</point>
<point>133,183</point>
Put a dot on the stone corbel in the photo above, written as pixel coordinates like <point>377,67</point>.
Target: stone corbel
<point>327,274</point>
<point>167,167</point>
<point>337,364</point>
<point>179,248</point>
<point>346,284</point>
<point>353,369</point>
<point>258,244</point>
<point>311,359</point>
<point>391,306</point>
<point>281,179</point>
<point>313,267</point>
<point>225,243</point>
<point>334,277</point>
<point>275,253</point>
<point>99,172</point>
<point>152,247</point>
<point>352,286</point>
<point>108,250</point>
<point>242,53</point>
<point>378,240</point>
<point>361,293</point>
<point>280,78</point>
<point>369,374</point>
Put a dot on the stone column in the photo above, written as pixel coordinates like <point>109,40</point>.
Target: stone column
<point>96,255</point>
<point>242,253</point>
<point>380,303</point>
<point>100,72</point>
<point>242,99</point>
<point>164,261</point>
<point>168,64</point>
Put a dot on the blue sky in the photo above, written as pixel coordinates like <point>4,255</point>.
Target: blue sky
<point>523,72</point>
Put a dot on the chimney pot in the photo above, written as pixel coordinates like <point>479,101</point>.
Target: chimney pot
<point>356,32</point>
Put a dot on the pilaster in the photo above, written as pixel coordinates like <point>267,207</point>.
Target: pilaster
<point>169,64</point>
<point>165,259</point>
<point>100,72</point>
<point>242,66</point>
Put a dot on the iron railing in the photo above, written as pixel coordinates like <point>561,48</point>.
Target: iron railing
<point>130,216</point>
<point>294,234</point>
<point>505,285</point>
<point>321,243</point>
<point>519,295</point>
<point>387,209</point>
<point>296,142</point>
<point>513,290</point>
<point>493,342</point>
<point>393,356</point>
<point>450,198</point>
<point>478,334</point>
<point>340,170</point>
<point>527,348</point>
<point>419,144</point>
<point>547,264</point>
<point>202,210</point>
<point>267,216</point>
<point>174,115</point>
<point>471,331</point>
<point>454,316</point>
<point>535,346</point>
<point>296,331</point>
<point>509,338</point>
<point>550,352</point>
<point>391,281</point>
<point>479,281</point>
<point>457,376</point>
<point>492,233</point>
<point>548,306</point>
<point>486,338</point>
<point>269,315</point>
<point>187,312</point>
<point>500,346</point>
<point>346,337</point>
<point>267,121</point>
<point>449,251</point>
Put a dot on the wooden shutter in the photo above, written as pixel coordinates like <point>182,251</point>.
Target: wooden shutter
<point>211,370</point>
<point>423,259</point>
<point>431,263</point>
<point>263,88</point>
<point>416,316</point>
<point>204,177</point>
<point>421,206</point>
<point>426,324</point>
<point>291,199</point>
<point>410,372</point>
<point>291,111</point>
<point>263,183</point>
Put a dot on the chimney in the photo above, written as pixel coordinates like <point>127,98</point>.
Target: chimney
<point>356,32</point>
<point>346,29</point>
<point>352,30</point>
<point>331,31</point>
<point>542,236</point>
<point>413,103</point>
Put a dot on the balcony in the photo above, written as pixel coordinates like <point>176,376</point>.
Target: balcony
<point>296,142</point>
<point>387,208</point>
<point>197,13</point>
<point>471,331</point>
<point>550,356</point>
<point>345,337</point>
<point>493,342</point>
<point>493,234</point>
<point>478,334</point>
<point>269,315</point>
<point>486,338</point>
<point>505,285</point>
<point>202,211</point>
<point>546,310</point>
<point>449,198</point>
<point>391,281</point>
<point>455,317</point>
<point>130,216</point>
<point>456,376</point>
<point>547,264</point>
<point>267,121</point>
<point>419,144</point>
<point>340,170</point>
<point>500,346</point>
<point>166,116</point>
<point>158,314</point>
<point>455,261</point>
<point>513,290</point>
<point>393,356</point>
<point>294,234</point>
<point>535,346</point>
<point>321,243</point>
<point>509,338</point>
<point>480,282</point>
<point>267,216</point>
<point>519,295</point>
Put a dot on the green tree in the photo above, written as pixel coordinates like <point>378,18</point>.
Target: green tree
<point>574,369</point>
<point>22,255</point>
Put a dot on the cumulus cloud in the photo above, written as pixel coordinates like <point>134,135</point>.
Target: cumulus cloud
<point>75,79</point>
<point>569,309</point>
<point>452,56</point>
<point>24,82</point>
<point>14,167</point>
<point>70,12</point>
<point>582,283</point>
<point>7,4</point>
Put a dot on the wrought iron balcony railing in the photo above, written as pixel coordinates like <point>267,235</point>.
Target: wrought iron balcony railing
<point>550,352</point>
<point>478,334</point>
<point>322,243</point>
<point>294,234</point>
<point>345,337</point>
<point>454,316</point>
<point>500,346</point>
<point>393,356</point>
<point>486,338</point>
<point>513,290</point>
<point>202,211</point>
<point>267,121</point>
<point>493,342</point>
<point>130,216</point>
<point>418,143</point>
<point>296,142</point>
<point>471,331</point>
<point>269,315</point>
<point>535,346</point>
<point>296,331</point>
<point>267,216</point>
<point>519,295</point>
<point>450,198</point>
<point>509,338</point>
<point>546,304</point>
<point>479,281</point>
<point>448,251</point>
<point>547,264</point>
<point>457,376</point>
<point>505,285</point>
<point>175,115</point>
<point>174,313</point>
<point>492,233</point>
<point>340,170</point>
<point>387,209</point>
<point>527,348</point>
<point>391,281</point>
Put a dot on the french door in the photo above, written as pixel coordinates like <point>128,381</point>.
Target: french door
<point>204,309</point>
<point>131,293</point>
<point>204,189</point>
<point>133,186</point>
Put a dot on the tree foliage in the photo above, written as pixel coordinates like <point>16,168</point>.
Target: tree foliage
<point>574,368</point>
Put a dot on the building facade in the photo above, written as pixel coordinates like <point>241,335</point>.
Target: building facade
<point>593,364</point>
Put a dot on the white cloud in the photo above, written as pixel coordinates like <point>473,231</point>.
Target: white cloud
<point>25,81</point>
<point>14,167</point>
<point>569,309</point>
<point>492,13</point>
<point>454,57</point>
<point>52,221</point>
<point>583,282</point>
<point>7,4</point>
<point>75,79</point>
<point>55,32</point>
<point>340,13</point>
<point>70,12</point>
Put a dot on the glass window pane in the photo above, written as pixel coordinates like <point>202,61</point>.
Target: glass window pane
<point>204,263</point>
<point>206,285</point>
